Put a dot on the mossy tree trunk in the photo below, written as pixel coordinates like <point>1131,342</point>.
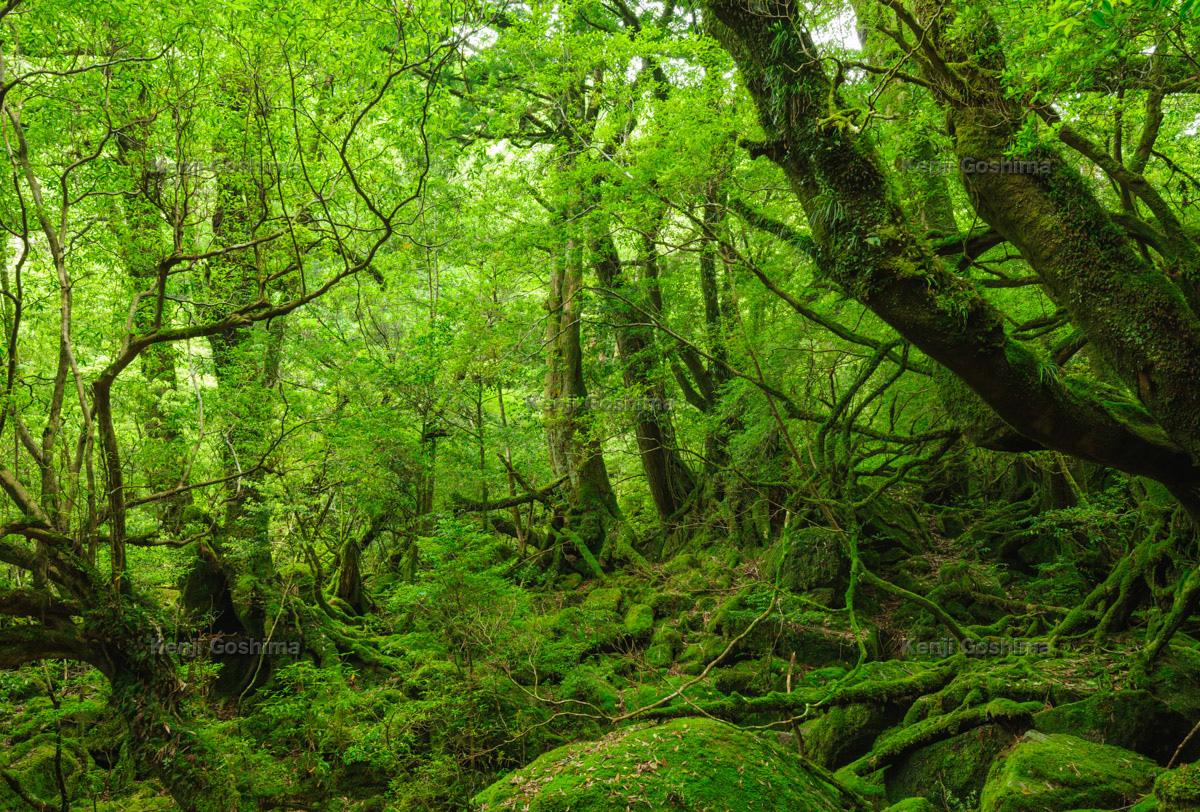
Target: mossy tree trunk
<point>668,477</point>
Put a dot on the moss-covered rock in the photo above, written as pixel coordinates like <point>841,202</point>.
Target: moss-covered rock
<point>1133,720</point>
<point>607,599</point>
<point>847,732</point>
<point>1058,771</point>
<point>916,804</point>
<point>685,764</point>
<point>1176,680</point>
<point>33,765</point>
<point>659,655</point>
<point>807,558</point>
<point>816,638</point>
<point>953,770</point>
<point>1178,790</point>
<point>573,633</point>
<point>639,621</point>
<point>681,563</point>
<point>588,683</point>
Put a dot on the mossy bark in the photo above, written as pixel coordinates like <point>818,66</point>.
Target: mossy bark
<point>867,245</point>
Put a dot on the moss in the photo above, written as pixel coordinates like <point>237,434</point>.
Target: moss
<point>1065,772</point>
<point>574,633</point>
<point>817,638</point>
<point>607,599</point>
<point>639,621</point>
<point>1175,680</point>
<point>1133,720</point>
<point>847,732</point>
<point>917,804</point>
<point>1178,790</point>
<point>751,678</point>
<point>807,559</point>
<point>34,769</point>
<point>659,656</point>
<point>666,604</point>
<point>588,683</point>
<point>683,764</point>
<point>954,769</point>
<point>681,563</point>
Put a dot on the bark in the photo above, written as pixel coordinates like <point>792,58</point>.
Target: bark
<point>868,246</point>
<point>668,477</point>
<point>571,430</point>
<point>1131,312</point>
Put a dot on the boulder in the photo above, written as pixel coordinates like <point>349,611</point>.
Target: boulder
<point>952,770</point>
<point>639,621</point>
<point>1178,790</point>
<point>1058,771</point>
<point>808,558</point>
<point>1133,720</point>
<point>684,764</point>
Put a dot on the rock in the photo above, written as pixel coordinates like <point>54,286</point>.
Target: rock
<point>575,632</point>
<point>953,769</point>
<point>606,599</point>
<point>847,732</point>
<point>590,684</point>
<point>659,655</point>
<point>1178,790</point>
<point>684,764</point>
<point>1133,720</point>
<point>917,804</point>
<point>1176,681</point>
<point>670,638</point>
<point>807,558</point>
<point>639,621</point>
<point>817,638</point>
<point>681,563</point>
<point>1058,771</point>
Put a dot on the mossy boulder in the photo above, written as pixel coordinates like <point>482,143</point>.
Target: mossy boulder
<point>751,677</point>
<point>33,765</point>
<point>681,563</point>
<point>590,684</point>
<point>951,770</point>
<point>1133,720</point>
<point>607,599</point>
<point>847,732</point>
<point>639,621</point>
<point>685,764</point>
<point>1176,680</point>
<point>916,804</point>
<point>807,558</point>
<point>574,632</point>
<point>817,638</point>
<point>1058,771</point>
<point>1178,790</point>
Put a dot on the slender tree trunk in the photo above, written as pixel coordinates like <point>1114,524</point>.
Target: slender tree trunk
<point>571,425</point>
<point>668,477</point>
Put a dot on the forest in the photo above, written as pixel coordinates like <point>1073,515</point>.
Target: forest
<point>599,405</point>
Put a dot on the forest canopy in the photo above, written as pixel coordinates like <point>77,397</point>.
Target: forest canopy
<point>578,405</point>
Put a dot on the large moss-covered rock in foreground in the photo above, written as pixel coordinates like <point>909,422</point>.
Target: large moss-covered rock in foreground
<point>1065,772</point>
<point>685,764</point>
